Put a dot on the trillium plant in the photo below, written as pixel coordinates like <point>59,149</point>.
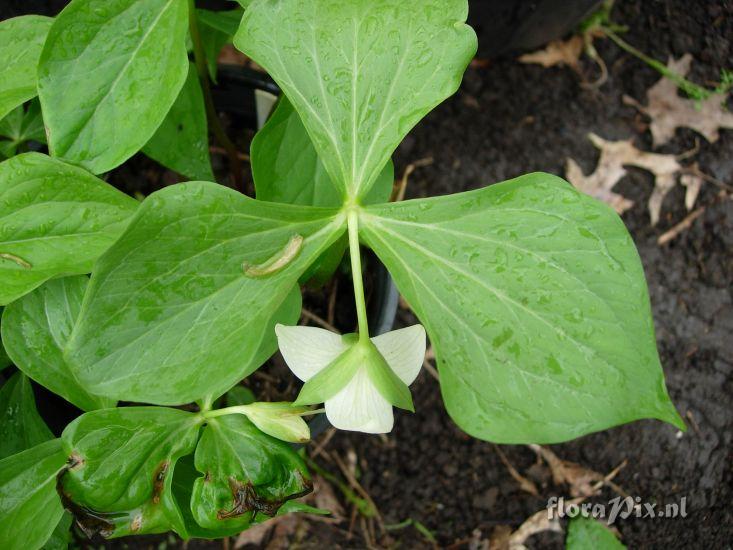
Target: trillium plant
<point>144,314</point>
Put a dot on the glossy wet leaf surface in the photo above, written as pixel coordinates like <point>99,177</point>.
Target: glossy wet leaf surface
<point>584,533</point>
<point>361,74</point>
<point>55,219</point>
<point>21,427</point>
<point>181,142</point>
<point>21,41</point>
<point>125,61</point>
<point>244,474</point>
<point>121,469</point>
<point>527,288</point>
<point>286,167</point>
<point>35,330</point>
<point>29,503</point>
<point>170,314</point>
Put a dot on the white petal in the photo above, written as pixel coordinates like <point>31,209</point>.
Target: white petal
<point>359,407</point>
<point>307,350</point>
<point>404,351</point>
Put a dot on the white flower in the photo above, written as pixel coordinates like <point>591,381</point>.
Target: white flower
<point>359,405</point>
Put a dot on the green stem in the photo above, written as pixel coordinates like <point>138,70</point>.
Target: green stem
<point>214,123</point>
<point>242,409</point>
<point>237,409</point>
<point>355,254</point>
<point>690,88</point>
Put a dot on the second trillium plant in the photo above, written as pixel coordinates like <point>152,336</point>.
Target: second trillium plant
<point>531,293</point>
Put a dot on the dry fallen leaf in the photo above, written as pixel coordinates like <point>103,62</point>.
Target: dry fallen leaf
<point>669,111</point>
<point>536,523</point>
<point>583,482</point>
<point>557,53</point>
<point>614,156</point>
<point>693,182</point>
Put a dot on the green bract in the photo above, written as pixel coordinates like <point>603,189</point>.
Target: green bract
<point>547,300</point>
<point>360,74</point>
<point>176,277</point>
<point>136,52</point>
<point>55,219</point>
<point>286,167</point>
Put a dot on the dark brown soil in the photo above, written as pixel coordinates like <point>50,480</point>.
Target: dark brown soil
<point>509,119</point>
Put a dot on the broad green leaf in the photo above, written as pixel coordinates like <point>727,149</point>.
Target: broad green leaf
<point>535,300</point>
<point>21,427</point>
<point>178,308</point>
<point>181,142</point>
<point>60,539</point>
<point>586,533</point>
<point>30,508</point>
<point>286,167</point>
<point>108,74</point>
<point>360,73</point>
<point>245,474</point>
<point>35,330</point>
<point>55,219</point>
<point>20,126</point>
<point>21,41</point>
<point>121,463</point>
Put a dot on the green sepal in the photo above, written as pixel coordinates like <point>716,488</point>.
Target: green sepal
<point>334,377</point>
<point>280,420</point>
<point>385,380</point>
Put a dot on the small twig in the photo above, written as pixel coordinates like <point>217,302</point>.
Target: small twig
<point>432,371</point>
<point>400,196</point>
<point>332,301</point>
<point>695,171</point>
<point>693,422</point>
<point>310,316</point>
<point>221,151</point>
<point>690,153</point>
<point>524,483</point>
<point>324,442</point>
<point>686,223</point>
<point>354,483</point>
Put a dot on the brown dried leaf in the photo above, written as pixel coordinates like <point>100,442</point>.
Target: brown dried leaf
<point>536,523</point>
<point>583,482</point>
<point>669,111</point>
<point>557,53</point>
<point>610,169</point>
